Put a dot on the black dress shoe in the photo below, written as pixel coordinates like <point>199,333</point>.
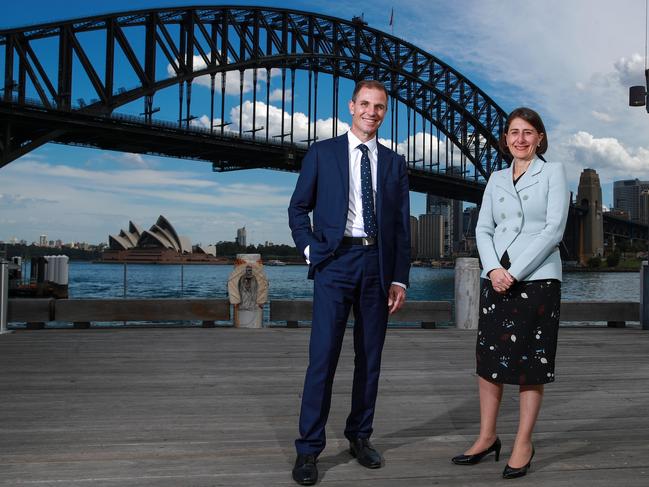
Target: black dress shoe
<point>513,473</point>
<point>475,458</point>
<point>305,472</point>
<point>362,449</point>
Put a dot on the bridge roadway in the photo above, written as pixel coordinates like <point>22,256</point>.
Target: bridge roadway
<point>218,407</point>
<point>227,151</point>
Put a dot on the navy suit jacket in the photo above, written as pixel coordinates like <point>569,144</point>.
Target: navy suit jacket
<point>323,188</point>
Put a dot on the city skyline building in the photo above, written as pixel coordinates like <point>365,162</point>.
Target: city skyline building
<point>414,228</point>
<point>430,241</point>
<point>644,207</point>
<point>626,196</point>
<point>241,237</point>
<point>451,210</point>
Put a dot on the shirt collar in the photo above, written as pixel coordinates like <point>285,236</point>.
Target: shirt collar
<point>354,142</point>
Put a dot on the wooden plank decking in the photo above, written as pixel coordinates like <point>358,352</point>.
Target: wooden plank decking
<point>207,407</point>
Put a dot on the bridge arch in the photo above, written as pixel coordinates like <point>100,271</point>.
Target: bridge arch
<point>228,38</point>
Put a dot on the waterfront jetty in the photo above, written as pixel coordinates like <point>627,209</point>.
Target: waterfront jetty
<point>83,313</point>
<point>219,407</point>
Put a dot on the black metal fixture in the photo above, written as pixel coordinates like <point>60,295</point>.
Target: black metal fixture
<point>638,94</point>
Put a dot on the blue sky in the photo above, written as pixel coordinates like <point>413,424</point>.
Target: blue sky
<point>572,61</point>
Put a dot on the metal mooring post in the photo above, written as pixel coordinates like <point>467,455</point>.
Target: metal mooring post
<point>644,295</point>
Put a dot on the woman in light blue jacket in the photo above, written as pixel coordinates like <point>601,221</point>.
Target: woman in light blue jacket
<point>520,225</point>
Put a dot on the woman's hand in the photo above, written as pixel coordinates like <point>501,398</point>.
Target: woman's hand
<point>501,280</point>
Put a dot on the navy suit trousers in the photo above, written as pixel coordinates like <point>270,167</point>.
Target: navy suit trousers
<point>350,278</point>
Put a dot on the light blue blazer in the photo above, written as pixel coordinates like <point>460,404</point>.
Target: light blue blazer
<point>526,220</point>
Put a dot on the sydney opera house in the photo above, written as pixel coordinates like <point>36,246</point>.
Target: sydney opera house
<point>160,244</point>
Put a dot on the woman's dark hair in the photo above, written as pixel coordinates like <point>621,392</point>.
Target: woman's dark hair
<point>531,117</point>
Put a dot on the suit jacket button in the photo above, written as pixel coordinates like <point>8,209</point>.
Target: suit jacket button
<point>504,229</point>
<point>516,229</point>
<point>520,214</point>
<point>502,215</point>
<point>501,199</point>
<point>525,197</point>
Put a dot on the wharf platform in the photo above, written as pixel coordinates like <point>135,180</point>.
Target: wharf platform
<point>219,407</point>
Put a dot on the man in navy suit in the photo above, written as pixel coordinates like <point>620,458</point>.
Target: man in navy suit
<point>358,250</point>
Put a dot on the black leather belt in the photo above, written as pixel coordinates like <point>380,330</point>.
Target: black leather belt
<point>359,241</point>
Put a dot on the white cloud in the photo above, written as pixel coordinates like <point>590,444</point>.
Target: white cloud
<point>608,156</point>
<point>135,160</point>
<point>631,70</point>
<point>115,180</point>
<point>232,78</point>
<point>12,201</point>
<point>276,95</point>
<point>604,117</point>
<point>417,147</point>
<point>324,127</point>
<point>572,61</point>
<point>69,202</point>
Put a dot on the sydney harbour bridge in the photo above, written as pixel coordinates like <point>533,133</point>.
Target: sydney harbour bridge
<point>105,63</point>
<point>269,82</point>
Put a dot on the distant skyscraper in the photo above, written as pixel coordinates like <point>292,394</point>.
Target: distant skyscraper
<point>626,196</point>
<point>414,226</point>
<point>469,221</point>
<point>430,236</point>
<point>644,207</point>
<point>42,241</point>
<point>241,237</point>
<point>451,210</point>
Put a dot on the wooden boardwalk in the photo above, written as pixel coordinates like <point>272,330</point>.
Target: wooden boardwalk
<point>207,407</point>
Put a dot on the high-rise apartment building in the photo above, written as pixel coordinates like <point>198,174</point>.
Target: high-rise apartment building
<point>644,207</point>
<point>241,237</point>
<point>414,226</point>
<point>430,236</point>
<point>626,196</point>
<point>451,210</point>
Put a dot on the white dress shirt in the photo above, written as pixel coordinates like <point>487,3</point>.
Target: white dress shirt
<point>355,225</point>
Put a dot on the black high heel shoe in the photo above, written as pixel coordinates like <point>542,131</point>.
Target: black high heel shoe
<point>513,473</point>
<point>473,459</point>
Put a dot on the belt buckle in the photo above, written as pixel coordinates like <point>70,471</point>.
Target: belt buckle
<point>368,240</point>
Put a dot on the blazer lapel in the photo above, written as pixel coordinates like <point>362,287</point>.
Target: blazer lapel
<point>506,181</point>
<point>382,164</point>
<point>531,175</point>
<point>342,160</point>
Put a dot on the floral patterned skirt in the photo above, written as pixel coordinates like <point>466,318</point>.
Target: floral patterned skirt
<point>517,332</point>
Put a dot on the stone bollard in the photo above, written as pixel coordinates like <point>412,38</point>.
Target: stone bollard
<point>644,295</point>
<point>467,293</point>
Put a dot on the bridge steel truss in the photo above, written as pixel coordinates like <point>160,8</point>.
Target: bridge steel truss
<point>451,109</point>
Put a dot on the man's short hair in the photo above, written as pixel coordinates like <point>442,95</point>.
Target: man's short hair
<point>369,83</point>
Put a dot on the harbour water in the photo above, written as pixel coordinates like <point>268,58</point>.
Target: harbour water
<point>88,280</point>
<point>95,280</point>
